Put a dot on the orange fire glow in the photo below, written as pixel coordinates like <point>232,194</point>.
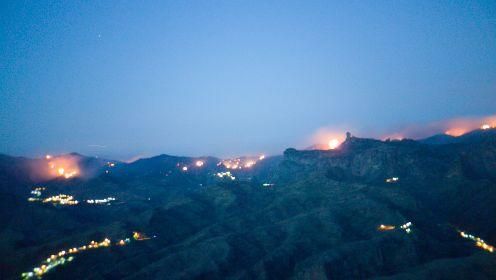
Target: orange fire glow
<point>66,166</point>
<point>385,227</point>
<point>457,131</point>
<point>55,166</point>
<point>325,139</point>
<point>71,174</point>
<point>454,127</point>
<point>334,143</point>
<point>240,163</point>
<point>458,127</point>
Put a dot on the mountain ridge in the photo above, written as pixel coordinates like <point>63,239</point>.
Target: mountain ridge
<point>305,213</point>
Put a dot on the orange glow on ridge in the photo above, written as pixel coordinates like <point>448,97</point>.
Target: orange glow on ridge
<point>325,139</point>
<point>457,131</point>
<point>66,166</point>
<point>334,143</point>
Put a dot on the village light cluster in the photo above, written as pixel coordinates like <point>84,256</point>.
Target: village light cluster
<point>62,199</point>
<point>44,268</point>
<point>226,174</point>
<point>140,236</point>
<point>406,227</point>
<point>100,201</point>
<point>111,165</point>
<point>392,180</point>
<point>65,256</point>
<point>37,191</point>
<point>478,241</point>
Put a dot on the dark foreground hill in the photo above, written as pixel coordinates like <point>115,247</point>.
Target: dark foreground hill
<point>305,215</point>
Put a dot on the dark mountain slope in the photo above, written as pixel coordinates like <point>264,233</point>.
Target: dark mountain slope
<point>317,217</point>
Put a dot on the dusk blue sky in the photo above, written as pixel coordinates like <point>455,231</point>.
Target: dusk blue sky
<point>223,78</point>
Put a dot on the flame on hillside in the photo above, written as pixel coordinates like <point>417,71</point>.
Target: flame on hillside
<point>326,139</point>
<point>459,127</point>
<point>242,162</point>
<point>51,167</point>
<point>66,166</point>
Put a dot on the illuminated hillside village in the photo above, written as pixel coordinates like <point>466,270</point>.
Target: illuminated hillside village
<point>66,256</point>
<point>64,199</point>
<point>478,241</point>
